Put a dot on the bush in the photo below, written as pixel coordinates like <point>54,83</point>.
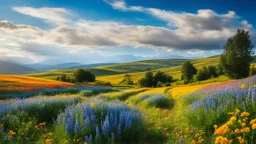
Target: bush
<point>147,81</point>
<point>127,80</point>
<point>203,74</point>
<point>159,84</point>
<point>82,75</point>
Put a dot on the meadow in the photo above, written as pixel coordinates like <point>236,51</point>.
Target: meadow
<point>210,112</point>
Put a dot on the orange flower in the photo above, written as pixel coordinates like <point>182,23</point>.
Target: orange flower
<point>65,141</point>
<point>245,114</point>
<point>254,126</point>
<point>165,129</point>
<point>253,121</point>
<point>193,142</point>
<point>44,135</point>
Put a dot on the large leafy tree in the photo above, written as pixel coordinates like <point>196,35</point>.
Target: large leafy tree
<point>237,58</point>
<point>188,71</point>
<point>82,75</point>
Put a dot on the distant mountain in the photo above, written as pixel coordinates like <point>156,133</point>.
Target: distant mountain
<point>90,65</point>
<point>7,67</point>
<point>45,67</point>
<point>68,65</point>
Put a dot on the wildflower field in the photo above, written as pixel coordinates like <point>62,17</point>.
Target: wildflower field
<point>220,113</point>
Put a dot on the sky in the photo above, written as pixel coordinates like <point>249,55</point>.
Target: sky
<point>102,31</point>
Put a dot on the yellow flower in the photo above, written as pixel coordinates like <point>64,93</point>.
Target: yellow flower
<point>252,121</point>
<point>200,141</point>
<point>215,126</point>
<point>253,126</point>
<point>243,86</point>
<point>237,111</point>
<point>240,139</point>
<point>233,118</point>
<point>218,139</point>
<point>247,129</point>
<point>12,132</point>
<point>48,141</point>
<point>245,114</point>
<point>193,142</point>
<point>65,141</point>
<point>237,131</point>
<point>243,124</point>
<point>92,104</point>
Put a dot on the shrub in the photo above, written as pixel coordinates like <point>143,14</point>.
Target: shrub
<point>159,84</point>
<point>127,80</point>
<point>203,74</point>
<point>82,75</point>
<point>148,80</point>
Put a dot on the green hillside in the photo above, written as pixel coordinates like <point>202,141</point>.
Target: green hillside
<point>115,69</point>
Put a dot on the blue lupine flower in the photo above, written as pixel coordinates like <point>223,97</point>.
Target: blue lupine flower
<point>69,125</point>
<point>112,137</point>
<point>77,127</point>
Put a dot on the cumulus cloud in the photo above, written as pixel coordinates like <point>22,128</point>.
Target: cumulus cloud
<point>50,15</point>
<point>191,32</point>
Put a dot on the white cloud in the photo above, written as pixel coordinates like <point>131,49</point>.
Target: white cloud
<point>121,5</point>
<point>193,33</point>
<point>50,15</point>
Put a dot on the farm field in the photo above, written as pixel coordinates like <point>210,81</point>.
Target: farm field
<point>175,114</point>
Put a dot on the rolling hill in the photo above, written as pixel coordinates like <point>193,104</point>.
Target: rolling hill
<point>7,67</point>
<point>114,69</point>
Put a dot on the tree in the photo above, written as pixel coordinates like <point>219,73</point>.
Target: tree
<point>237,58</point>
<point>162,77</point>
<point>82,75</point>
<point>148,80</point>
<point>219,69</point>
<point>188,70</point>
<point>203,74</point>
<point>212,70</point>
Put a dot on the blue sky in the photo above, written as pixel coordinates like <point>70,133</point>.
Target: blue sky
<point>118,30</point>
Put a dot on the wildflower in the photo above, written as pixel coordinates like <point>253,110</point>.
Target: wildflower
<point>92,104</point>
<point>237,131</point>
<point>22,134</point>
<point>44,135</point>
<point>200,141</point>
<point>165,129</point>
<point>237,111</point>
<point>240,139</point>
<point>254,126</point>
<point>49,134</point>
<point>26,129</point>
<point>246,130</point>
<point>49,141</point>
<point>1,125</point>
<point>245,114</point>
<point>215,126</point>
<point>233,118</point>
<point>243,86</point>
<point>243,124</point>
<point>36,127</point>
<point>167,134</point>
<point>193,142</point>
<point>196,135</point>
<point>12,132</point>
<point>252,121</point>
<point>65,141</point>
